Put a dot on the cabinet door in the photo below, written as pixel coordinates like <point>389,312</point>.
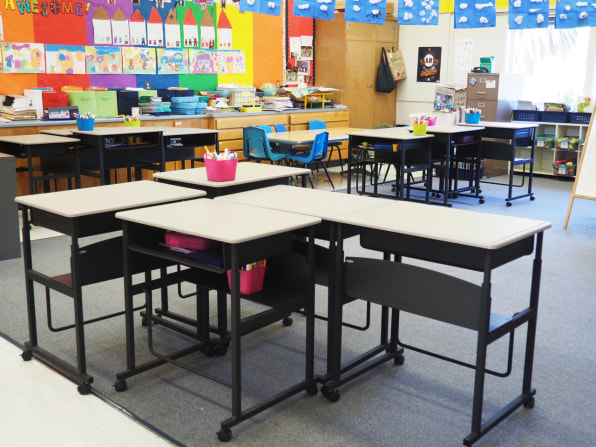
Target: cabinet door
<point>368,108</point>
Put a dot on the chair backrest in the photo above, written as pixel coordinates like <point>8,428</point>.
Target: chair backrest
<point>267,129</point>
<point>280,128</point>
<point>319,146</point>
<point>317,124</point>
<point>255,141</point>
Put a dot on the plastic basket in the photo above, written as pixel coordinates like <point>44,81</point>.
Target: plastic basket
<point>240,96</point>
<point>419,129</point>
<point>135,123</point>
<point>579,118</point>
<point>472,118</point>
<point>85,123</point>
<point>221,170</point>
<point>554,117</point>
<point>526,115</point>
<point>251,281</point>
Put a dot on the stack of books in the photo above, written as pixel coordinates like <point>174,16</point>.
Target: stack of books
<point>18,107</point>
<point>153,105</point>
<point>277,103</point>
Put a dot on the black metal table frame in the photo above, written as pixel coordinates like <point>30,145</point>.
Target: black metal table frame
<point>141,245</point>
<point>185,152</point>
<point>475,313</point>
<point>499,150</point>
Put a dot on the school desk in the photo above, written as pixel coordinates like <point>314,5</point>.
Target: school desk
<point>180,142</point>
<point>58,157</point>
<point>499,142</point>
<point>80,213</point>
<point>247,234</point>
<point>249,175</point>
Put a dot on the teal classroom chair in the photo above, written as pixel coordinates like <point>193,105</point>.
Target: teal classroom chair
<point>319,124</point>
<point>317,154</point>
<point>256,146</point>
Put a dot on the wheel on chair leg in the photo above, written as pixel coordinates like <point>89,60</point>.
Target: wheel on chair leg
<point>312,390</point>
<point>27,355</point>
<point>508,203</point>
<point>331,394</point>
<point>120,386</point>
<point>224,435</point>
<point>288,321</point>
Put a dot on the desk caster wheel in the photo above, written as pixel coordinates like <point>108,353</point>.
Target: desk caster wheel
<point>399,360</point>
<point>481,201</point>
<point>331,395</point>
<point>209,349</point>
<point>27,355</point>
<point>508,203</point>
<point>530,403</point>
<point>312,390</point>
<point>120,386</point>
<point>84,389</point>
<point>532,198</point>
<point>224,435</point>
<point>288,321</point>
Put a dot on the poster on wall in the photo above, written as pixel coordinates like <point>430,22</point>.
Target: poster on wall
<point>418,12</point>
<point>370,11</point>
<point>155,29</point>
<point>202,61</point>
<point>23,58</point>
<point>65,59</point>
<point>429,64</point>
<point>474,14</point>
<point>137,60</point>
<point>103,60</point>
<point>526,14</point>
<point>120,31</point>
<point>138,30</point>
<point>231,62</point>
<point>170,61</point>
<point>172,30</point>
<point>102,27</point>
<point>574,14</point>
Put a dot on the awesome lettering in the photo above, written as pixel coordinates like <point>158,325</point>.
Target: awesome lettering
<point>47,8</point>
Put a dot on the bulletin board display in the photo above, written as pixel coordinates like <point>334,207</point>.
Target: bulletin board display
<point>299,48</point>
<point>124,43</point>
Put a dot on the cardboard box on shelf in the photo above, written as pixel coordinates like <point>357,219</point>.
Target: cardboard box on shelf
<point>494,168</point>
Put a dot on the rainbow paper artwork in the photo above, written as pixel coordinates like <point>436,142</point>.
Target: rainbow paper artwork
<point>23,58</point>
<point>137,60</point>
<point>65,59</point>
<point>103,60</point>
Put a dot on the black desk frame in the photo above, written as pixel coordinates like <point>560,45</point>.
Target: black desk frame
<point>377,281</point>
<point>500,150</point>
<point>412,155</point>
<point>142,245</point>
<point>186,150</point>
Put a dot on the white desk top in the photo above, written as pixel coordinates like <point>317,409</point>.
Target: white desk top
<point>60,132</point>
<point>109,131</point>
<point>37,139</point>
<point>503,124</point>
<point>100,199</point>
<point>470,228</point>
<point>246,172</point>
<point>175,131</point>
<point>313,202</point>
<point>454,129</point>
<point>392,133</point>
<point>307,136</point>
<point>221,221</point>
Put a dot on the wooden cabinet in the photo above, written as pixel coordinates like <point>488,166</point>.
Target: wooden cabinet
<point>347,57</point>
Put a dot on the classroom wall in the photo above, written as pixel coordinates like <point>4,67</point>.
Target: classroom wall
<point>413,96</point>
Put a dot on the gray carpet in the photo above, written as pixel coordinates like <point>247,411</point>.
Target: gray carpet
<point>425,402</point>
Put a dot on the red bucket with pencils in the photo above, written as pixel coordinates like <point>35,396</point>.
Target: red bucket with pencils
<point>221,167</point>
<point>251,277</point>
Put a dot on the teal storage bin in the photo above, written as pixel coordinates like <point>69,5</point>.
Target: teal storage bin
<point>85,101</point>
<point>107,103</point>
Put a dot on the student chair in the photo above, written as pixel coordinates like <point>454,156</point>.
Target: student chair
<point>317,154</point>
<point>256,146</point>
<point>319,124</point>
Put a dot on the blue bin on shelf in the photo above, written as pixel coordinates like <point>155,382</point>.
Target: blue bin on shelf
<point>85,123</point>
<point>472,118</point>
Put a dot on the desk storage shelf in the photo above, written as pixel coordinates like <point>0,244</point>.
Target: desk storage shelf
<point>547,153</point>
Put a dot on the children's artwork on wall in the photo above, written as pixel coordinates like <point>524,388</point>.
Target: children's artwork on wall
<point>120,31</point>
<point>1,28</point>
<point>65,59</point>
<point>474,14</point>
<point>253,6</point>
<point>207,31</point>
<point>224,32</point>
<point>272,7</point>
<point>190,30</point>
<point>418,12</point>
<point>304,8</point>
<point>429,64</point>
<point>155,29</point>
<point>102,27</point>
<point>574,14</point>
<point>138,60</point>
<point>23,58</point>
<point>103,60</point>
<point>231,62</point>
<point>367,11</point>
<point>171,61</point>
<point>202,61</point>
<point>525,14</point>
<point>172,30</point>
<point>324,9</point>
<point>303,67</point>
<point>138,30</point>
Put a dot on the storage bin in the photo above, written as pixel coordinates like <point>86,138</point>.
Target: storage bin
<point>419,129</point>
<point>85,123</point>
<point>565,168</point>
<point>526,115</point>
<point>545,142</point>
<point>221,170</point>
<point>579,118</point>
<point>472,118</point>
<point>175,239</point>
<point>107,104</point>
<point>567,143</point>
<point>85,101</point>
<point>127,99</point>
<point>251,281</point>
<point>554,117</point>
<point>54,99</point>
<point>240,96</point>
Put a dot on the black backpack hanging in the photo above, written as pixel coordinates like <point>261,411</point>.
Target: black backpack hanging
<point>385,82</point>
